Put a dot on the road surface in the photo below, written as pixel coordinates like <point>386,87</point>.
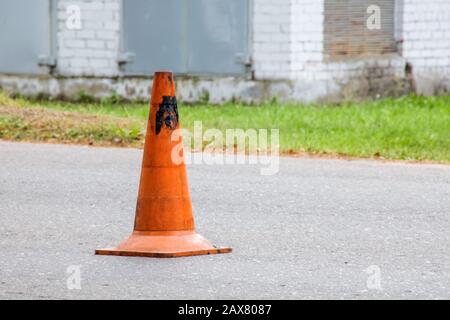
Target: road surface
<point>318,228</point>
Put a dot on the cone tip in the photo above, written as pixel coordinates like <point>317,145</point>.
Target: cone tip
<point>163,72</point>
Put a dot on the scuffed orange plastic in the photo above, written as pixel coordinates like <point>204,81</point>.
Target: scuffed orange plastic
<point>164,224</point>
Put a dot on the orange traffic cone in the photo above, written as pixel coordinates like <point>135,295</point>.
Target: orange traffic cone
<point>164,224</point>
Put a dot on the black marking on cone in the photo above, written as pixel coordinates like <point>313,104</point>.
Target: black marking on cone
<point>167,114</point>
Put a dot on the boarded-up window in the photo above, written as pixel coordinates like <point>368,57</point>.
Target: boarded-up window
<point>347,33</point>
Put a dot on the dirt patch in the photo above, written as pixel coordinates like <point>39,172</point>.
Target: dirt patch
<point>44,125</point>
<point>65,118</point>
<point>330,155</point>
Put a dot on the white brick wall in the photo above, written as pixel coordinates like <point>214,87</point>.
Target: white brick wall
<point>307,18</point>
<point>288,42</point>
<point>287,39</point>
<point>287,34</point>
<point>92,50</point>
<point>287,45</point>
<point>426,40</point>
<point>271,39</point>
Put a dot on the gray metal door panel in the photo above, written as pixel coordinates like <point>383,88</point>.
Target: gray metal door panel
<point>186,36</point>
<point>218,36</point>
<point>153,32</point>
<point>24,34</point>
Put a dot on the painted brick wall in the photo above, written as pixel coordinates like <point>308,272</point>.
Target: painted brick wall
<point>374,74</point>
<point>271,39</point>
<point>426,42</point>
<point>287,34</point>
<point>288,44</point>
<point>93,49</point>
<point>307,39</point>
<point>288,47</point>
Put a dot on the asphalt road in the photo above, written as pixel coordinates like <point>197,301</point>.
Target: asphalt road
<point>318,229</point>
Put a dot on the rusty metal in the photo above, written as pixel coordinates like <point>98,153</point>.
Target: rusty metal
<point>164,224</point>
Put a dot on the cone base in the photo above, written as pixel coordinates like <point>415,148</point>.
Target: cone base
<point>164,245</point>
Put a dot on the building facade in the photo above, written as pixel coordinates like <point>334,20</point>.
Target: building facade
<point>248,50</point>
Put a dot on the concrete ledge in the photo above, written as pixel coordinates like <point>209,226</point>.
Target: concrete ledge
<point>371,81</point>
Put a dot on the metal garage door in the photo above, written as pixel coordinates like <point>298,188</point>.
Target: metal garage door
<point>187,37</point>
<point>24,35</point>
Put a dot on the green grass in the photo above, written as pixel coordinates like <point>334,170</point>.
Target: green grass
<point>410,128</point>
